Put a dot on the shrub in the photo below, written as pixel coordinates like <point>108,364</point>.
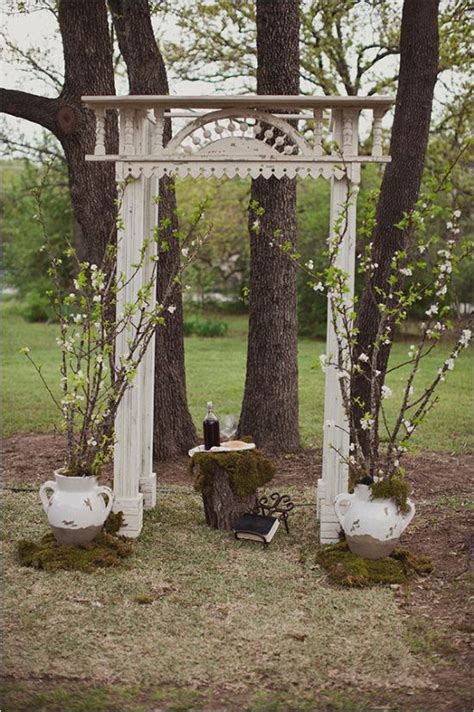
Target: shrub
<point>37,306</point>
<point>204,327</point>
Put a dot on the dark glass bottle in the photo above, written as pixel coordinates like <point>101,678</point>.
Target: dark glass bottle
<point>211,429</point>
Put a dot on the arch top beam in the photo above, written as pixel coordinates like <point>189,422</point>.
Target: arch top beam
<point>251,101</point>
<point>210,131</point>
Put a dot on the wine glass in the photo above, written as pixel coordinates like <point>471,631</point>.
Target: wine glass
<point>228,426</point>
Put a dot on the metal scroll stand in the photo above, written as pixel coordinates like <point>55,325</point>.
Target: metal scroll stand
<point>275,505</point>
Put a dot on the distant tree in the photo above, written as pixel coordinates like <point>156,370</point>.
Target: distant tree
<point>218,43</point>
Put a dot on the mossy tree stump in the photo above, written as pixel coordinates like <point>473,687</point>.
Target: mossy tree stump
<point>228,482</point>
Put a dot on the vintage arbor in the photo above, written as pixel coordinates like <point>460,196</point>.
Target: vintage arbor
<point>231,136</point>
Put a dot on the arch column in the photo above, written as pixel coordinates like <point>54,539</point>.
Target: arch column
<point>336,438</point>
<point>134,479</point>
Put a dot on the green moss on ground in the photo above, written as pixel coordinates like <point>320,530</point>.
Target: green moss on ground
<point>247,470</point>
<point>106,550</point>
<point>347,569</point>
<point>114,522</point>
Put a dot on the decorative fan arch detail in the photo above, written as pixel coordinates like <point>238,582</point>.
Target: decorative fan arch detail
<point>242,126</point>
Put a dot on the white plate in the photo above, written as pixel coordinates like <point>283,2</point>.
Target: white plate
<point>221,448</point>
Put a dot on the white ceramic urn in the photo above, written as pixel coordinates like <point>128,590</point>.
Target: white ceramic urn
<point>77,508</point>
<point>372,526</point>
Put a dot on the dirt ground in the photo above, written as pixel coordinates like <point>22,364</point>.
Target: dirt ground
<point>437,607</point>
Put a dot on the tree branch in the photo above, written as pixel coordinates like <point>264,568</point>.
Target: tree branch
<point>38,109</point>
<point>27,57</point>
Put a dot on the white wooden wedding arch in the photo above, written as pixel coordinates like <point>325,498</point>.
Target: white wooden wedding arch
<point>217,136</point>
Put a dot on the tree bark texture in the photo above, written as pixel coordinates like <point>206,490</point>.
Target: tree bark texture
<point>222,507</point>
<point>88,70</point>
<point>88,64</point>
<point>401,182</point>
<point>270,405</point>
<point>174,431</point>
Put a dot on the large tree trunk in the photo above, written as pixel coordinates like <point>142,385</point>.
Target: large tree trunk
<point>88,70</point>
<point>270,405</point>
<point>174,431</point>
<point>402,178</point>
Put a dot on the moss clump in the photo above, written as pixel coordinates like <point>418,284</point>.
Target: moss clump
<point>114,522</point>
<point>247,470</point>
<point>396,488</point>
<point>413,563</point>
<point>105,551</point>
<point>348,569</point>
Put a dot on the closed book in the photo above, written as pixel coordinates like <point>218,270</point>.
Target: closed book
<point>256,527</point>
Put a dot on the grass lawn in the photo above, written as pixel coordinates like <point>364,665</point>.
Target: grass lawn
<point>215,370</point>
<point>229,625</point>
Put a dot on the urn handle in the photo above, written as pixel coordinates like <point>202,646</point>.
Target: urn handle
<point>408,516</point>
<point>45,500</point>
<point>341,505</point>
<point>104,491</point>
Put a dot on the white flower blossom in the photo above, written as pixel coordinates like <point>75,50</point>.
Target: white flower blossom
<point>323,362</point>
<point>465,337</point>
<point>185,251</point>
<point>449,363</point>
<point>171,309</point>
<point>366,423</point>
<point>407,271</point>
<point>457,214</point>
<point>449,225</point>
<point>421,249</point>
<point>432,310</point>
<point>408,425</point>
<point>309,265</point>
<point>319,287</point>
<point>386,392</point>
<point>363,357</point>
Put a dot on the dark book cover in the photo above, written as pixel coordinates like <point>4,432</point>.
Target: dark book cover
<point>256,526</point>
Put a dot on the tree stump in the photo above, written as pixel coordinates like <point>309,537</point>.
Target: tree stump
<point>228,483</point>
<point>222,507</point>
